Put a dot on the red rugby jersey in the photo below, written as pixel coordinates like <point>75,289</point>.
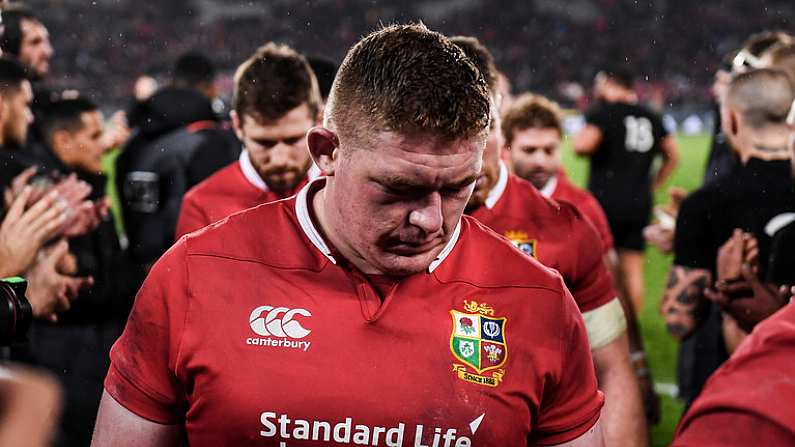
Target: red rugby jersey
<point>748,401</point>
<point>561,188</point>
<point>231,189</point>
<point>554,233</point>
<point>250,332</point>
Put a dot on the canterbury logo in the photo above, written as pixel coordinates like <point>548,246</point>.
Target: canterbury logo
<point>278,322</point>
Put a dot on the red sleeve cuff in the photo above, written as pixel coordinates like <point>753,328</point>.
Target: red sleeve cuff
<point>136,400</point>
<point>572,433</point>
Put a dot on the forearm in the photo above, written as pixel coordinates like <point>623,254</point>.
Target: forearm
<point>667,168</point>
<point>623,418</point>
<point>683,299</point>
<point>633,329</point>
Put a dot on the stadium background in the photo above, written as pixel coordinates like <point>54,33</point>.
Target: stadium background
<point>546,46</point>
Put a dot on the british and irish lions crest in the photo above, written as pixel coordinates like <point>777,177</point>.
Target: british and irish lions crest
<point>478,344</point>
<point>522,241</point>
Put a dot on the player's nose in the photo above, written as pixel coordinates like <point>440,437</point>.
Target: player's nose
<point>428,215</point>
<point>280,154</point>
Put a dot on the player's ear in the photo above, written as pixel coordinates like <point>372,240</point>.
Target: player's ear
<point>324,148</point>
<point>734,122</point>
<point>61,141</point>
<point>3,108</point>
<point>237,124</point>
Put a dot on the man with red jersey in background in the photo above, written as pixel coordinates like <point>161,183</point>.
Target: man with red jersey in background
<point>276,101</point>
<point>532,129</point>
<point>365,310</point>
<point>561,238</point>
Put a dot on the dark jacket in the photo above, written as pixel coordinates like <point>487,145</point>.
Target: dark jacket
<point>159,164</point>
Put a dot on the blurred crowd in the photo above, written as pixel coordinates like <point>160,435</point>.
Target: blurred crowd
<point>83,262</point>
<point>542,47</point>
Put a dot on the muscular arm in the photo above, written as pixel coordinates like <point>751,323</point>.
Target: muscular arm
<point>683,299</point>
<point>624,421</point>
<point>670,154</point>
<point>118,427</point>
<point>587,141</point>
<point>31,405</point>
<point>592,438</point>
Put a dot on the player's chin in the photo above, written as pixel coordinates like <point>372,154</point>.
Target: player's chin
<point>282,182</point>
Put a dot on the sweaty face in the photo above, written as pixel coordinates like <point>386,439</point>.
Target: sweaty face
<point>84,147</point>
<point>19,117</point>
<point>278,150</point>
<point>490,172</point>
<point>535,154</point>
<point>35,51</point>
<point>395,205</point>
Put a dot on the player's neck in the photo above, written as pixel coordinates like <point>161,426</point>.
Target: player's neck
<point>768,145</point>
<point>320,205</point>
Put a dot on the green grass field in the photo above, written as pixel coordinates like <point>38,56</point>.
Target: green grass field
<point>660,347</point>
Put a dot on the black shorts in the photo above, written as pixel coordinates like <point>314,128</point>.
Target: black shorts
<point>628,233</point>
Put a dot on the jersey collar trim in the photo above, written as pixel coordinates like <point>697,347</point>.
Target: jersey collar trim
<point>550,187</point>
<point>305,220</point>
<point>447,248</point>
<point>250,173</point>
<point>499,188</point>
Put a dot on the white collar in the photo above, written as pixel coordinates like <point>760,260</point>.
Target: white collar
<point>250,172</point>
<point>253,177</point>
<point>550,187</point>
<point>499,187</point>
<point>305,220</point>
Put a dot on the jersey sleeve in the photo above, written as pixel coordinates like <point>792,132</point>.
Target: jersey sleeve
<point>594,212</point>
<point>746,429</point>
<point>591,282</point>
<point>142,374</point>
<point>571,403</point>
<point>692,232</point>
<point>742,393</point>
<point>191,217</point>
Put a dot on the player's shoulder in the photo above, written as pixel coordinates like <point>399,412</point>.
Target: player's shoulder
<point>567,191</point>
<point>219,181</point>
<point>526,196</point>
<point>268,234</point>
<point>700,200</point>
<point>485,259</point>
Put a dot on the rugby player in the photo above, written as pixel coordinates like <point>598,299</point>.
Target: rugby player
<point>734,410</point>
<point>560,237</point>
<point>366,310</point>
<point>732,397</point>
<point>748,197</point>
<point>276,101</point>
<point>532,132</point>
<point>755,53</point>
<point>76,349</point>
<point>622,139</point>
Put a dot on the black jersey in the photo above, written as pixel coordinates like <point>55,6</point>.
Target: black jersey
<point>748,197</point>
<point>781,265</point>
<point>620,174</point>
<point>721,157</point>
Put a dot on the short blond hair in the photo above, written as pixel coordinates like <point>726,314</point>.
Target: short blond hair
<point>531,111</point>
<point>409,80</point>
